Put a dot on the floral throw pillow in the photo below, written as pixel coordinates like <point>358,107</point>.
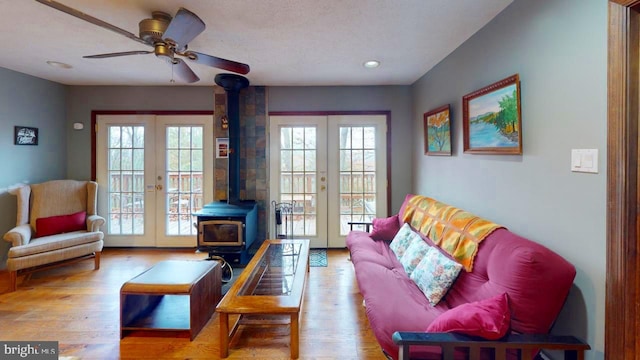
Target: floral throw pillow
<point>435,274</point>
<point>414,254</point>
<point>402,240</point>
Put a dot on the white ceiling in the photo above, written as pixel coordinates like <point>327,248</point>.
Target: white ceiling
<point>286,42</point>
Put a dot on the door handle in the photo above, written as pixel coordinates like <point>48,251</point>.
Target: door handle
<point>159,187</point>
<point>323,188</point>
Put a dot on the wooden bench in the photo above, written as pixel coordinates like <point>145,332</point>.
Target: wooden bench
<point>527,345</point>
<point>174,296</point>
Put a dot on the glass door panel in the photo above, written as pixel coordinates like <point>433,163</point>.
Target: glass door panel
<point>184,174</point>
<point>184,166</point>
<point>298,165</point>
<point>124,166</point>
<point>357,188</point>
<point>126,180</point>
<point>298,174</point>
<point>358,180</point>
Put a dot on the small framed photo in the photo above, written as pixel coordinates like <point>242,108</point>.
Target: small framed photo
<point>437,131</point>
<point>491,119</point>
<point>25,135</point>
<point>222,148</point>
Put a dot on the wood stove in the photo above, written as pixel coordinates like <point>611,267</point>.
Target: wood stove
<point>228,228</point>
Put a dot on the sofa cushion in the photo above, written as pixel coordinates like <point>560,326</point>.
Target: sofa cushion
<point>395,303</point>
<point>414,254</point>
<point>435,274</point>
<point>489,318</point>
<point>385,228</point>
<point>44,258</point>
<point>55,242</point>
<point>536,279</point>
<point>362,248</point>
<point>61,224</point>
<point>403,240</point>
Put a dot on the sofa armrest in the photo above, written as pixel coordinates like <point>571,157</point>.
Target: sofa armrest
<point>94,222</point>
<point>367,225</point>
<point>526,344</point>
<point>19,235</point>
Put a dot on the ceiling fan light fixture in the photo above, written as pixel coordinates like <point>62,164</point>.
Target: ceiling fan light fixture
<point>371,64</point>
<point>59,65</point>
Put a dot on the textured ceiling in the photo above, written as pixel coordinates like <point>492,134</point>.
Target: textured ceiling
<point>286,42</point>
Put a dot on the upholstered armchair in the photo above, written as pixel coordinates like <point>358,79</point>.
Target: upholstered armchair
<point>56,223</point>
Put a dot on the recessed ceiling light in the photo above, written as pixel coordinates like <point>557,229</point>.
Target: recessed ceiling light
<point>59,65</point>
<point>370,64</point>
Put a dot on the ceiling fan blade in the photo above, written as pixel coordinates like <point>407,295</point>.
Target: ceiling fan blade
<point>183,71</point>
<point>183,28</point>
<point>217,62</point>
<point>125,53</point>
<point>80,15</point>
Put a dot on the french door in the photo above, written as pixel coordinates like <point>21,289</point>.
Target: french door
<point>332,169</point>
<point>152,172</point>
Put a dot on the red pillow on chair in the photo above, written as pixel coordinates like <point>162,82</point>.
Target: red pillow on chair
<point>489,318</point>
<point>385,228</point>
<point>61,224</point>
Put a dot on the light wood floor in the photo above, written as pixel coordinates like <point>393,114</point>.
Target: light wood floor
<point>79,307</point>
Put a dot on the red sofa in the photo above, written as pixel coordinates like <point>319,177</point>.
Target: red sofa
<point>535,279</point>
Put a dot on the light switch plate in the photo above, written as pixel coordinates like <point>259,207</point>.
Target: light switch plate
<point>584,160</point>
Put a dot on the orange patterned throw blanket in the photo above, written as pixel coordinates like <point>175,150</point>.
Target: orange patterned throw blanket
<point>455,231</point>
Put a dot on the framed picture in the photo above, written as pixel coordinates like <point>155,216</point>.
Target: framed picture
<point>222,148</point>
<point>491,119</point>
<point>437,131</point>
<point>25,135</point>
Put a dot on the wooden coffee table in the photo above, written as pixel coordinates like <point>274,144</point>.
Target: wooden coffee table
<point>172,297</point>
<point>272,284</point>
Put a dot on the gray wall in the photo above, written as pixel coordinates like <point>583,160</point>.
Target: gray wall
<point>559,48</point>
<point>396,99</point>
<point>84,99</point>
<point>29,101</point>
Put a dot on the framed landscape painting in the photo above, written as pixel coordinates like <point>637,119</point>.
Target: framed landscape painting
<point>491,119</point>
<point>437,131</point>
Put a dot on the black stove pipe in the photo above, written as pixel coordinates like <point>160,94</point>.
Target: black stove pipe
<point>232,84</point>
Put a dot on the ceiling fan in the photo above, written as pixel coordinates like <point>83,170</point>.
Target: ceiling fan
<point>168,36</point>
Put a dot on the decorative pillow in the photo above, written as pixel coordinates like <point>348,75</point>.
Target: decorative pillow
<point>385,228</point>
<point>61,224</point>
<point>489,318</point>
<point>403,239</point>
<point>414,254</point>
<point>435,274</point>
